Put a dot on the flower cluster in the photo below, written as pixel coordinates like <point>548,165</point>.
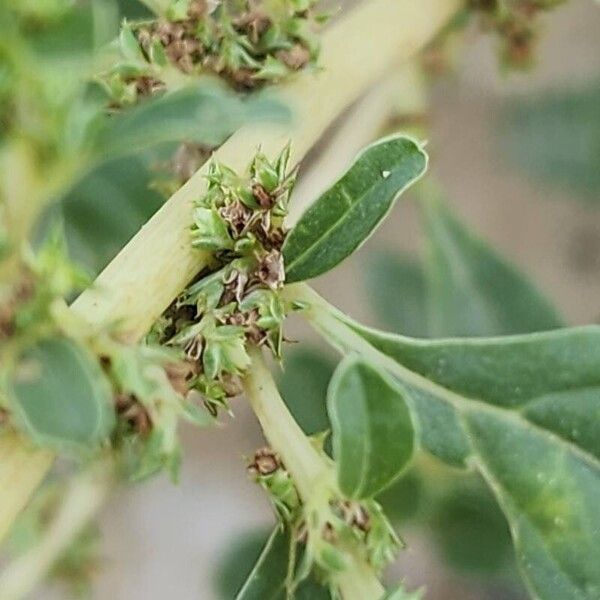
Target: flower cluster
<point>137,388</point>
<point>515,22</point>
<point>240,222</point>
<point>330,528</point>
<point>246,42</point>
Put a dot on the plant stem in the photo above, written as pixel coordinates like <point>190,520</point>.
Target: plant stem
<point>357,50</point>
<point>286,437</point>
<point>22,468</point>
<point>159,261</point>
<point>84,496</point>
<point>358,582</point>
<point>307,468</point>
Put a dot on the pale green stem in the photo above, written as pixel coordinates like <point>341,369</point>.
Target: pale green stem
<point>308,469</point>
<point>329,322</point>
<point>323,317</point>
<point>22,468</point>
<point>159,261</point>
<point>300,457</point>
<point>84,496</point>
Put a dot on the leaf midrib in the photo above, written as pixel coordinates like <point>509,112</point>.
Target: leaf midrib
<point>463,404</point>
<point>502,494</point>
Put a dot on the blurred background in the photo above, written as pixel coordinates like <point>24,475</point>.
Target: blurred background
<point>518,159</point>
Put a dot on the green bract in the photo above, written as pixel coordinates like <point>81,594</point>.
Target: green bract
<point>346,215</point>
<point>61,397</point>
<point>373,436</point>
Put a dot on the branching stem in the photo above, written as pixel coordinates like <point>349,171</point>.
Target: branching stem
<point>159,261</point>
<point>307,468</point>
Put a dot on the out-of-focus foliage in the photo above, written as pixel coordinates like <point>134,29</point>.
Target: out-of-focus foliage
<point>396,288</point>
<point>77,411</point>
<point>60,140</point>
<point>464,287</point>
<point>244,43</point>
<point>106,208</point>
<point>555,137</point>
<point>303,384</point>
<point>76,566</point>
<point>266,555</point>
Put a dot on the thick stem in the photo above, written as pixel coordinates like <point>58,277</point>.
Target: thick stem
<point>84,496</point>
<point>308,470</point>
<point>356,51</point>
<point>22,468</point>
<point>159,261</point>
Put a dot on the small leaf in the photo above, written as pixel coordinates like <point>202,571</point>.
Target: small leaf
<point>267,580</point>
<point>61,396</point>
<point>373,435</point>
<point>397,293</point>
<point>345,216</point>
<point>473,290</point>
<point>203,114</point>
<point>304,395</point>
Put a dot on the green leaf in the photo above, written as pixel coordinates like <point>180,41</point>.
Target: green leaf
<point>203,114</point>
<point>267,580</point>
<point>470,529</point>
<point>237,561</point>
<point>556,138</point>
<point>373,435</point>
<point>404,499</point>
<point>305,396</point>
<point>474,291</point>
<point>397,292</point>
<point>527,409</point>
<point>61,397</point>
<point>345,216</point>
<point>106,208</point>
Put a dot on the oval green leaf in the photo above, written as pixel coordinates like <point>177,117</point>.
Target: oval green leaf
<point>61,396</point>
<point>373,434</point>
<point>344,217</point>
<point>525,410</point>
